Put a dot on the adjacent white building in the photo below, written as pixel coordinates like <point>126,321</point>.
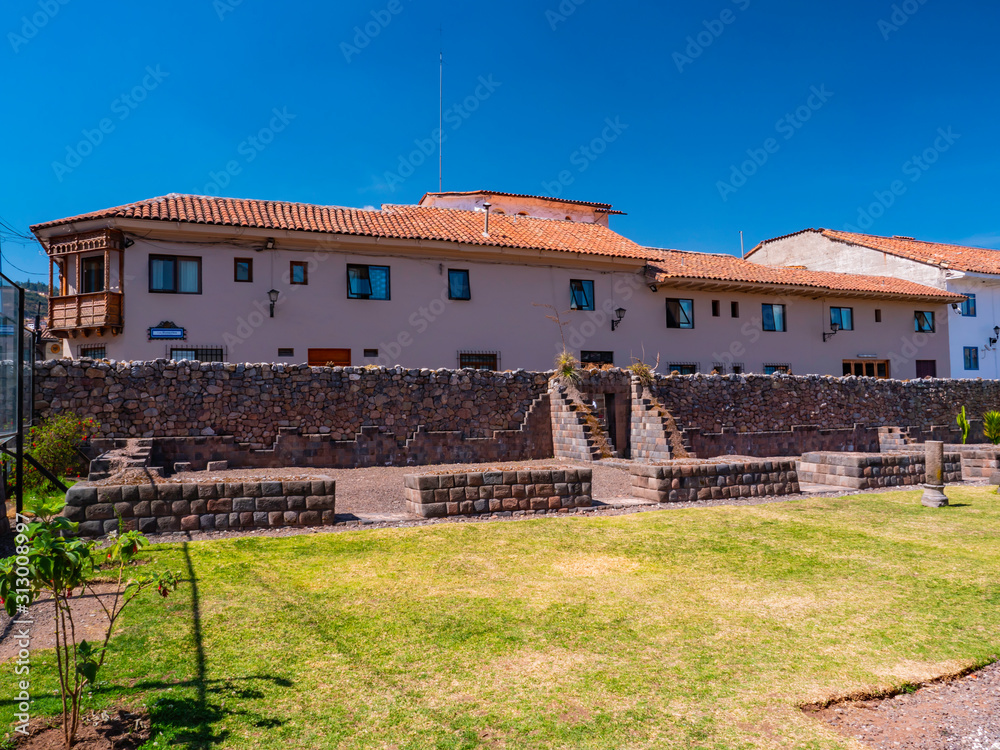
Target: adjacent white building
<point>972,326</point>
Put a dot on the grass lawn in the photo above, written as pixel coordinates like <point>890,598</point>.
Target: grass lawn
<point>689,629</point>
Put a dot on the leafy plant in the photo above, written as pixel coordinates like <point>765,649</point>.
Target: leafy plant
<point>54,445</point>
<point>567,366</point>
<point>645,373</point>
<point>50,560</point>
<point>991,426</point>
<point>963,423</point>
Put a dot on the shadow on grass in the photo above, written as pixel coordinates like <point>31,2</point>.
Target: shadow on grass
<point>189,722</point>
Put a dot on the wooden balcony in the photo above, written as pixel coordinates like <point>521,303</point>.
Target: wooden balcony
<point>85,314</point>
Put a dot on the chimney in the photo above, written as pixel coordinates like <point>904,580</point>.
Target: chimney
<point>486,207</point>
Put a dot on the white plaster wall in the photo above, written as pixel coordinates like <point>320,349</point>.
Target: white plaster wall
<point>540,208</point>
<point>975,331</point>
<point>419,327</point>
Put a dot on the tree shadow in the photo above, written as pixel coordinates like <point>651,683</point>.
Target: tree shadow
<point>189,722</point>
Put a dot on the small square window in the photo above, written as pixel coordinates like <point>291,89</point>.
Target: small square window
<point>371,353</point>
<point>479,360</point>
<point>685,368</point>
<point>968,308</point>
<point>923,322</point>
<point>716,308</point>
<point>737,368</point>
<point>597,358</point>
<point>776,369</point>
<point>680,313</point>
<point>773,317</point>
<point>286,352</point>
<point>582,294</point>
<point>734,309</point>
<point>243,269</point>
<point>298,272</point>
<point>842,317</point>
<point>458,284</point>
<point>971,357</point>
<point>93,352</point>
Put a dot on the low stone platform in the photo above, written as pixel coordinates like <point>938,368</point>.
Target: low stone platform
<point>688,482</point>
<point>866,471</point>
<point>174,506</point>
<point>978,461</point>
<point>474,492</point>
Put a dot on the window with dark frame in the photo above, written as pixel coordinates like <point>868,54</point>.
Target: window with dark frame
<point>716,308</point>
<point>878,315</point>
<point>458,284</point>
<point>923,321</point>
<point>198,353</point>
<point>597,358</point>
<point>971,354</point>
<point>734,309</point>
<point>867,368</point>
<point>94,352</point>
<point>685,368</point>
<point>298,272</point>
<point>243,269</point>
<point>581,294</point>
<point>843,317</point>
<point>479,360</point>
<point>367,282</point>
<point>968,309</point>
<point>371,353</point>
<point>93,275</point>
<point>773,318</point>
<point>680,313</point>
<point>174,274</point>
<point>737,368</point>
<point>777,369</point>
<point>286,352</point>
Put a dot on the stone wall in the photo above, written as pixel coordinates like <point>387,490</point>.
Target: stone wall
<point>478,492</point>
<point>867,471</point>
<point>173,506</point>
<point>251,402</point>
<point>688,482</point>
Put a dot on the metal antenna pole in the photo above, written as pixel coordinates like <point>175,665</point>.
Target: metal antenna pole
<point>19,439</point>
<point>441,115</point>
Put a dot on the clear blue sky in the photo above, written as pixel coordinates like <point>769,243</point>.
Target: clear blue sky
<point>692,106</point>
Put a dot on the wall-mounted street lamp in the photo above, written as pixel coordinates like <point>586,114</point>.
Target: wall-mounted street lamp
<point>653,287</point>
<point>273,296</point>
<point>619,314</point>
<point>834,330</point>
<point>994,338</point>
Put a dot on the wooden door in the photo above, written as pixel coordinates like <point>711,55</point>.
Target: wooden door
<point>330,357</point>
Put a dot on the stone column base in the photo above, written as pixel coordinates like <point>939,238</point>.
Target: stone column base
<point>934,496</point>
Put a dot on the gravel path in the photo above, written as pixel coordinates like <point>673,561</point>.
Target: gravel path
<point>961,714</point>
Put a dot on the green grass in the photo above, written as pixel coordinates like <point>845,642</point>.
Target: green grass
<point>683,629</point>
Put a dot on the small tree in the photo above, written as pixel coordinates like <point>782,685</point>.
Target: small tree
<point>51,560</point>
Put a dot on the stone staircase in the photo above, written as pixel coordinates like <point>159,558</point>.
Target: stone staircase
<point>892,439</point>
<point>131,453</point>
<point>576,432</point>
<point>655,436</point>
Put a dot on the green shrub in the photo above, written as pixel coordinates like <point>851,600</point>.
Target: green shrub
<point>991,426</point>
<point>54,445</point>
<point>567,366</point>
<point>963,423</point>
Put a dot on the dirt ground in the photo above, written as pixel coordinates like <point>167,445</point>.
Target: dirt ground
<point>379,489</point>
<point>960,714</point>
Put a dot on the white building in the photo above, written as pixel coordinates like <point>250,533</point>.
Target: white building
<point>972,327</point>
<point>448,283</point>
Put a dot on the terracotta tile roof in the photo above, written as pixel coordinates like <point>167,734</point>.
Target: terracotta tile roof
<point>678,266</point>
<point>397,222</point>
<point>957,257</point>
<point>606,206</point>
